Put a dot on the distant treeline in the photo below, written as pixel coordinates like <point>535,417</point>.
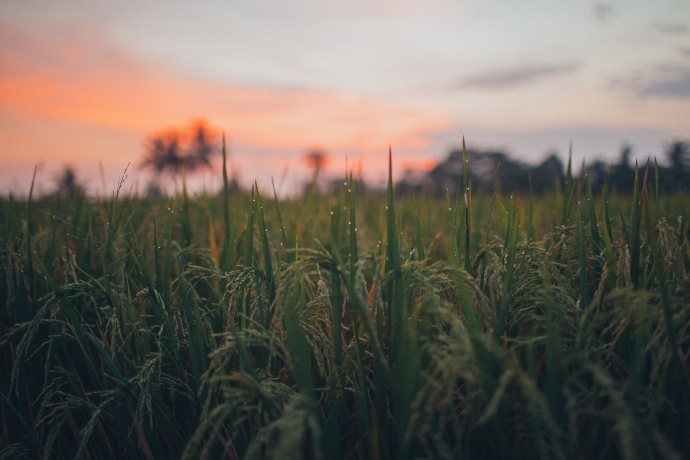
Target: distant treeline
<point>513,175</point>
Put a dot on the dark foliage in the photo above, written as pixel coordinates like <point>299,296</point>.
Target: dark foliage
<point>511,175</point>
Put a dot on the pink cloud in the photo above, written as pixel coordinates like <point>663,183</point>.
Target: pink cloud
<point>90,83</point>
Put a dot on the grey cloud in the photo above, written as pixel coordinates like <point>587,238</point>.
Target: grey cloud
<point>676,87</point>
<point>508,78</point>
<point>602,12</point>
<point>685,51</point>
<point>672,28</point>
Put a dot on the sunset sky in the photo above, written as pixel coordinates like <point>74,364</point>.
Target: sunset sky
<point>84,83</point>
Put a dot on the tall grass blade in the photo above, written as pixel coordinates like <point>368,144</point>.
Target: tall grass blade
<point>263,231</point>
<point>419,245</point>
<point>194,329</point>
<point>608,241</point>
<point>468,208</point>
<point>639,195</point>
<point>228,241</point>
<point>283,237</point>
<point>582,259</point>
<point>568,189</point>
<point>509,249</point>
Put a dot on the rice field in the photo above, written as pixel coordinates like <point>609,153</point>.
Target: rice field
<point>356,326</point>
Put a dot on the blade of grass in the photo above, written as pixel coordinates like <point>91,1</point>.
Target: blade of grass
<point>608,242</point>
<point>74,321</point>
<point>419,245</point>
<point>225,253</point>
<point>468,208</point>
<point>639,195</point>
<point>283,237</point>
<point>582,260</point>
<point>509,249</point>
<point>263,231</point>
<point>195,337</point>
<point>568,192</point>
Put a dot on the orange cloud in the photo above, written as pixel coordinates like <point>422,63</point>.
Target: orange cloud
<point>67,100</point>
<point>119,93</point>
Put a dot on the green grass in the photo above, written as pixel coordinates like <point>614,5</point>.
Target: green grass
<point>349,326</point>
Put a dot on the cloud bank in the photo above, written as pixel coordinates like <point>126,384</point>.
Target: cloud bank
<point>518,76</point>
<point>674,87</point>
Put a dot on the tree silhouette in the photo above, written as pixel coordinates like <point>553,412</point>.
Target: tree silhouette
<point>202,147</point>
<point>512,175</point>
<point>67,184</point>
<point>678,175</point>
<point>177,151</point>
<point>679,155</point>
<point>623,174</point>
<point>164,154</point>
<point>316,159</point>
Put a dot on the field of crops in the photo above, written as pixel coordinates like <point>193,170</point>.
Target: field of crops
<point>346,327</point>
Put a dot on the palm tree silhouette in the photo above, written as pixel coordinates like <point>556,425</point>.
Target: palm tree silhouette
<point>178,151</point>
